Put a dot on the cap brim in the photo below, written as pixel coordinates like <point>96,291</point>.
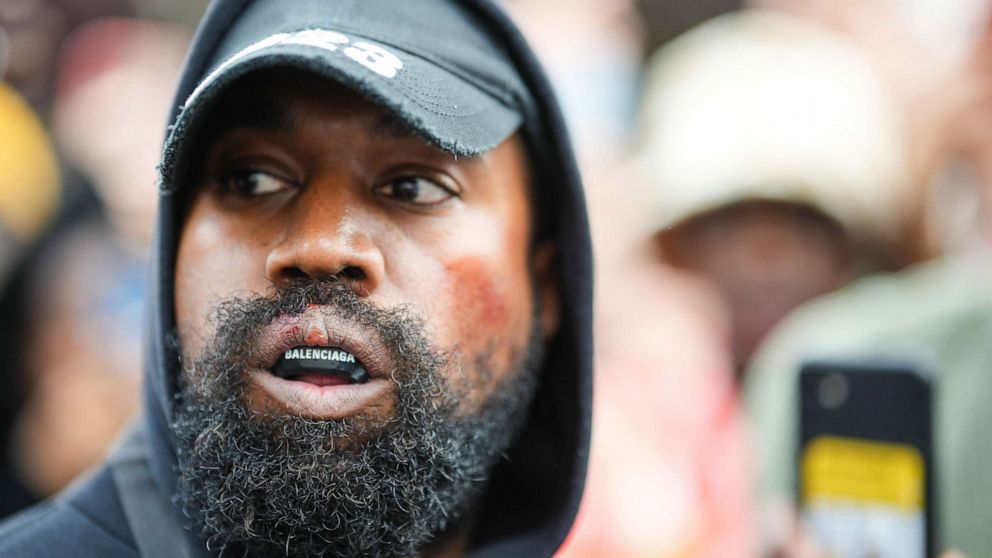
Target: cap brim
<point>446,110</point>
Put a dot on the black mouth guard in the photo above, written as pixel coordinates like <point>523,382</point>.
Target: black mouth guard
<point>320,360</point>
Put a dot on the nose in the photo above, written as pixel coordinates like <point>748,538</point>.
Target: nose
<point>326,234</point>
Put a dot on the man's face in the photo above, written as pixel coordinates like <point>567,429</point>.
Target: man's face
<point>309,181</point>
<point>316,220</point>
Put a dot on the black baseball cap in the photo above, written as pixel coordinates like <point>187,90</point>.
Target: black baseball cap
<point>432,63</point>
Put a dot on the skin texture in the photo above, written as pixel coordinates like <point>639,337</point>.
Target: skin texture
<point>311,185</point>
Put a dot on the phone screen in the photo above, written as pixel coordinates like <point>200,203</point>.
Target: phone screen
<point>864,498</point>
<point>864,463</point>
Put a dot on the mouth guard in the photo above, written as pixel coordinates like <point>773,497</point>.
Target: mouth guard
<point>320,360</point>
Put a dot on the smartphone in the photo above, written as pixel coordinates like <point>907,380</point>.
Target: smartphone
<point>865,459</point>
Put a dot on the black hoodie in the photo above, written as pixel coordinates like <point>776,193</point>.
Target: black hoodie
<point>532,499</point>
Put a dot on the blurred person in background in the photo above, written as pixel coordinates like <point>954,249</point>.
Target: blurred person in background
<point>938,312</point>
<point>119,71</point>
<point>664,20</point>
<point>669,473</point>
<point>772,160</point>
<point>929,56</point>
<point>84,280</point>
<point>733,177</point>
<point>29,196</point>
<point>670,468</point>
<point>61,297</point>
<point>31,35</point>
<point>591,49</point>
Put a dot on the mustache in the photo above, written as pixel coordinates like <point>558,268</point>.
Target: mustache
<point>244,325</point>
<point>257,311</point>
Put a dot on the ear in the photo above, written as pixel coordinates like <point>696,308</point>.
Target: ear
<point>547,289</point>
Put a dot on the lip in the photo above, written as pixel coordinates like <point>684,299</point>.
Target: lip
<point>319,326</point>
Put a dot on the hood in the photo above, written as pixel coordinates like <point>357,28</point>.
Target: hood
<point>534,494</point>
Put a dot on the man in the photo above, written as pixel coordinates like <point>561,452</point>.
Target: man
<point>371,325</point>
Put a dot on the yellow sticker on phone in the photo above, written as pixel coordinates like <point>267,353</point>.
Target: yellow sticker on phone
<point>841,469</point>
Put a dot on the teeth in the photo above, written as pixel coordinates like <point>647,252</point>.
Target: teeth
<point>320,360</point>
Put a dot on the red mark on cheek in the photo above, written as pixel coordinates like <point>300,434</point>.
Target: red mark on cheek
<point>478,297</point>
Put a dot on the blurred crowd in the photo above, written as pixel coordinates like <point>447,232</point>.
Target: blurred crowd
<point>768,180</point>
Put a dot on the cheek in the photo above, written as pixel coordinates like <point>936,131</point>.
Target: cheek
<point>211,265</point>
<point>490,301</point>
<point>488,284</point>
<point>489,310</point>
<point>475,291</point>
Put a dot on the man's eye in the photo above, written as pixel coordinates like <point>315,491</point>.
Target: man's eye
<point>254,183</point>
<point>415,190</point>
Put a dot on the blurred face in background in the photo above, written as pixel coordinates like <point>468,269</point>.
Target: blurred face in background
<point>31,34</point>
<point>82,358</point>
<point>765,258</point>
<point>86,281</point>
<point>122,71</point>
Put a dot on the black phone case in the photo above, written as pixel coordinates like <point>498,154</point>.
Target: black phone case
<point>885,401</point>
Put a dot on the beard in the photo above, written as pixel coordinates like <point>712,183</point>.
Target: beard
<point>286,485</point>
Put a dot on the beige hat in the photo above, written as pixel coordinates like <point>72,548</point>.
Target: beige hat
<point>762,105</point>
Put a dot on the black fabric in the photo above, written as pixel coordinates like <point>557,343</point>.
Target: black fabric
<point>14,494</point>
<point>150,519</point>
<point>534,496</point>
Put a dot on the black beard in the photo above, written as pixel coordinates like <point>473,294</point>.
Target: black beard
<point>292,486</point>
